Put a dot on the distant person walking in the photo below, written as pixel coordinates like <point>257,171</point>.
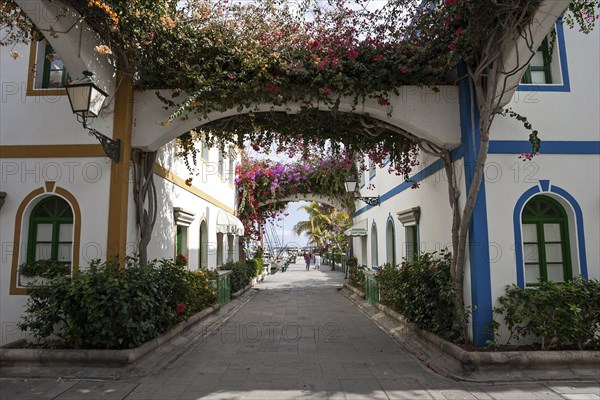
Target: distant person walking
<point>307,260</point>
<point>317,262</point>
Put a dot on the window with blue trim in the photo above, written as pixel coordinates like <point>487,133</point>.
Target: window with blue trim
<point>390,244</point>
<point>546,250</point>
<point>545,65</point>
<point>374,254</point>
<point>372,169</point>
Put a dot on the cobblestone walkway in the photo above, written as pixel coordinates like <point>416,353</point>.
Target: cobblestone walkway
<point>297,338</point>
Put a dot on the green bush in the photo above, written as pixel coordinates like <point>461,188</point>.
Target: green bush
<point>256,265</point>
<point>241,274</point>
<point>44,269</point>
<point>423,292</point>
<point>356,275</point>
<point>105,307</point>
<point>557,314</point>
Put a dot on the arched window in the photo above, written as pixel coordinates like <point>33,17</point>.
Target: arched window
<point>219,249</point>
<point>546,250</point>
<point>363,250</point>
<point>374,256</point>
<point>390,242</point>
<point>203,247</point>
<point>51,231</point>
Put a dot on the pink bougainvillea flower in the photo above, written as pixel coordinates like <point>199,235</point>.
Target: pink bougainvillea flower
<point>378,57</point>
<point>404,69</point>
<point>384,102</point>
<point>352,53</point>
<point>326,89</point>
<point>458,31</point>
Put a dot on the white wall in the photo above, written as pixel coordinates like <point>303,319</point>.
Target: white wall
<point>87,179</point>
<point>28,120</point>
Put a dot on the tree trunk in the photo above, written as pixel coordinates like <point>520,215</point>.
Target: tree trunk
<point>144,194</point>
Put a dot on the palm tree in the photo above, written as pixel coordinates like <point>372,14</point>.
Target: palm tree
<point>325,225</point>
<point>316,226</point>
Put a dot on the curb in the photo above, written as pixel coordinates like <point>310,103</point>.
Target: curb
<point>241,291</point>
<point>11,357</point>
<point>450,360</point>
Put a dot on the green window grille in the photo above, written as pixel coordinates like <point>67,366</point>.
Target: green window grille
<point>181,241</point>
<point>539,70</point>
<point>374,244</point>
<point>51,231</point>
<point>412,242</point>
<point>545,241</point>
<point>54,72</point>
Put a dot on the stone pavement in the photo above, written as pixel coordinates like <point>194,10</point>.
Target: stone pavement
<point>296,337</point>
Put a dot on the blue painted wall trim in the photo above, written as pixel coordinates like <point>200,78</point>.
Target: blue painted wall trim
<point>544,185</point>
<point>548,147</point>
<point>580,232</point>
<point>496,147</point>
<point>564,67</point>
<point>479,260</point>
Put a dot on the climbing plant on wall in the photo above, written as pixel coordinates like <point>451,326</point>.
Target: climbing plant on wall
<point>262,184</point>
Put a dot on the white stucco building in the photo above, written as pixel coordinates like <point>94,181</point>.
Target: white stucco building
<point>536,219</point>
<point>64,199</point>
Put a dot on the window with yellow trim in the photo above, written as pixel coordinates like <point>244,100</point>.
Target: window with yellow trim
<point>51,231</point>
<point>49,71</point>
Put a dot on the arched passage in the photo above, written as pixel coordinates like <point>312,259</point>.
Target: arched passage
<point>335,203</point>
<point>425,112</point>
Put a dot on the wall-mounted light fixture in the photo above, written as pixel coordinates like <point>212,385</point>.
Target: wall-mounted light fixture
<point>351,188</point>
<point>86,102</point>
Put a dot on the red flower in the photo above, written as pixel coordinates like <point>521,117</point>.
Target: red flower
<point>378,57</point>
<point>458,31</point>
<point>452,46</point>
<point>352,53</point>
<point>180,308</point>
<point>404,69</point>
<point>326,89</point>
<point>180,260</point>
<point>384,102</point>
<point>272,88</point>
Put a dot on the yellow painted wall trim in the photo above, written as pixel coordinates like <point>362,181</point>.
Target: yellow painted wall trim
<point>178,181</point>
<point>119,172</point>
<point>14,290</point>
<point>52,151</point>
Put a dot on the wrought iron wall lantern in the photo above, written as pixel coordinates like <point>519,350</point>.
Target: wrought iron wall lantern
<point>351,184</point>
<point>86,101</point>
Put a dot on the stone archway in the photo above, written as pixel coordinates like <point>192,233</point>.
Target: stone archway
<point>310,197</point>
<point>422,111</point>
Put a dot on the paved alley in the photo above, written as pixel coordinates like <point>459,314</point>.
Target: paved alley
<point>296,337</point>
